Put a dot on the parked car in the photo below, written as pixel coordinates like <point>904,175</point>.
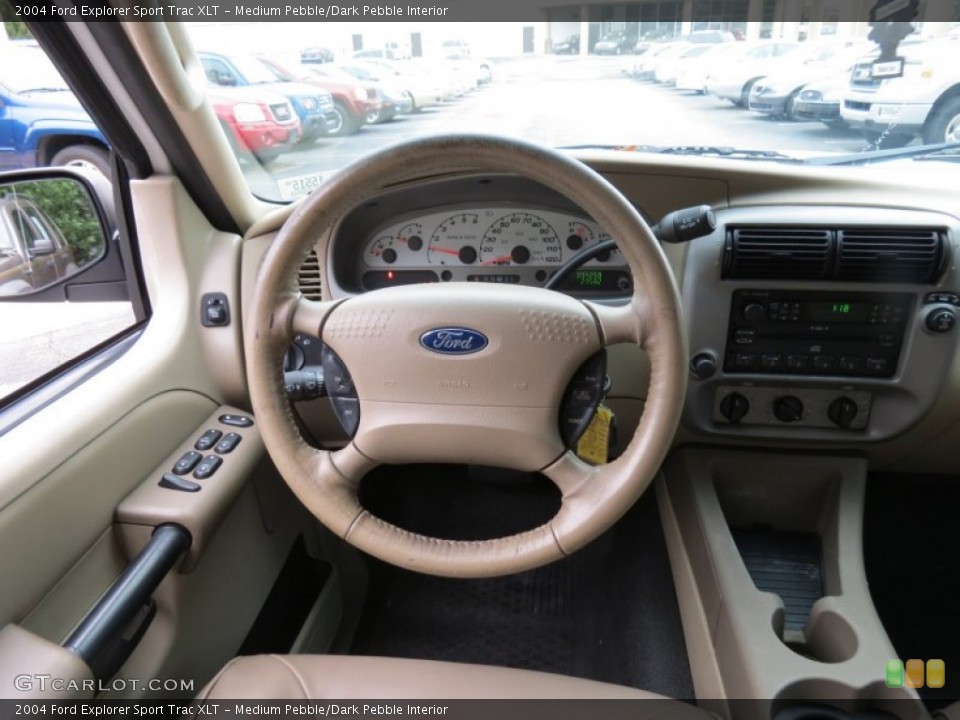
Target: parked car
<point>924,101</point>
<point>692,75</point>
<point>570,45</point>
<point>667,70</point>
<point>33,251</point>
<point>423,89</point>
<point>777,93</point>
<point>734,79</point>
<point>645,67</point>
<point>41,121</point>
<point>315,107</point>
<point>615,44</point>
<point>258,121</point>
<point>389,99</point>
<point>316,55</point>
<point>821,101</point>
<point>353,102</point>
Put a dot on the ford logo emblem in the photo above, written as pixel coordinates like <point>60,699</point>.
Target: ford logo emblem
<point>453,340</point>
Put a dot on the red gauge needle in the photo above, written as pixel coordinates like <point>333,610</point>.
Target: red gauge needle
<point>448,251</point>
<point>498,261</point>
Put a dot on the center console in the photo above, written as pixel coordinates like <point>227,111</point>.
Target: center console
<point>816,324</point>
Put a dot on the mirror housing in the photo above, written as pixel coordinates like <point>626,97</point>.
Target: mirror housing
<point>58,237</point>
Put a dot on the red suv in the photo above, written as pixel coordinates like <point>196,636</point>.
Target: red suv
<point>262,122</point>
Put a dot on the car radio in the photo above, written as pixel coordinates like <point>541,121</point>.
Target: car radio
<point>792,332</point>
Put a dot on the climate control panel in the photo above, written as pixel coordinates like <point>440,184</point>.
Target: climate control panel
<point>844,409</point>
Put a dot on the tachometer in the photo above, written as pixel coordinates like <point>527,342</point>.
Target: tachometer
<point>518,239</point>
<point>455,240</point>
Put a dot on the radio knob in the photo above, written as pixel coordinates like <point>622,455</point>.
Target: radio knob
<point>734,406</point>
<point>754,312</point>
<point>842,412</point>
<point>788,409</point>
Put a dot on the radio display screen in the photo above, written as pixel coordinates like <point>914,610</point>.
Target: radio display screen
<point>837,311</point>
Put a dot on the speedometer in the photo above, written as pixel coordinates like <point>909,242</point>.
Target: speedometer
<point>520,238</point>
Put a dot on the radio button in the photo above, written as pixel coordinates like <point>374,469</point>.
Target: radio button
<point>797,362</point>
<point>824,362</point>
<point>849,364</point>
<point>745,360</point>
<point>771,361</point>
<point>744,336</point>
<point>877,365</point>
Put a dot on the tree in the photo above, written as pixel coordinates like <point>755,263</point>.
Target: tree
<point>16,30</point>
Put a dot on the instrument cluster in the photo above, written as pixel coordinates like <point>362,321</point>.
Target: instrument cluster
<point>501,243</point>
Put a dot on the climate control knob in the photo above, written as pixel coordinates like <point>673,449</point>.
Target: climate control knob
<point>734,406</point>
<point>788,409</point>
<point>842,412</point>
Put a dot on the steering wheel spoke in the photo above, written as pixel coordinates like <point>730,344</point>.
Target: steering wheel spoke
<point>621,323</point>
<point>308,315</point>
<point>569,473</point>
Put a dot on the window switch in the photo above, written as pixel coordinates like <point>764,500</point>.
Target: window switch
<point>207,467</point>
<point>208,440</point>
<point>175,482</point>
<point>236,420</point>
<point>229,442</point>
<point>187,462</point>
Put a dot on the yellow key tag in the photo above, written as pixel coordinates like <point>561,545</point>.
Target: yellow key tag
<point>594,445</point>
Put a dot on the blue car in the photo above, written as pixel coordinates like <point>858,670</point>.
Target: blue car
<point>41,121</point>
<point>313,105</point>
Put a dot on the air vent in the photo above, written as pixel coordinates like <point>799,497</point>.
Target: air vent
<point>851,254</point>
<point>913,255</point>
<point>784,253</point>
<point>310,276</point>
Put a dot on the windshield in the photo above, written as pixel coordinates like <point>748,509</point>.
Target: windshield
<point>665,86</point>
<point>26,69</point>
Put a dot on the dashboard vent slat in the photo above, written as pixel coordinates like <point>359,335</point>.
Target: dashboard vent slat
<point>852,254</point>
<point>787,253</point>
<point>309,277</point>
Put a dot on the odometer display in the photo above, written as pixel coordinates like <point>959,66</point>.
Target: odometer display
<point>589,279</point>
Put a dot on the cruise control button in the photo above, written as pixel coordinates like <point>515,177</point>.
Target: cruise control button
<point>207,467</point>
<point>187,462</point>
<point>229,442</point>
<point>573,423</point>
<point>236,420</point>
<point>208,440</point>
<point>348,413</point>
<point>338,380</point>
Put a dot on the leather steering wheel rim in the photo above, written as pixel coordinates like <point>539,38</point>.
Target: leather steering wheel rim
<point>501,408</point>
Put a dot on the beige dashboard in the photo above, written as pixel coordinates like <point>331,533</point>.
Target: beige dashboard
<point>918,403</point>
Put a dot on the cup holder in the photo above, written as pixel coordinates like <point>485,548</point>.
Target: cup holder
<point>828,637</point>
<point>823,699</point>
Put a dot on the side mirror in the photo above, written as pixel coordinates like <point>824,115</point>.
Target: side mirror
<point>225,78</point>
<point>55,237</point>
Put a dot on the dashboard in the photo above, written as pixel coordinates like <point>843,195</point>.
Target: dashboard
<point>857,351</point>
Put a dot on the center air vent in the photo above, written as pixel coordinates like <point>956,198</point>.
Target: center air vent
<point>787,253</point>
<point>309,276</point>
<point>909,256</point>
<point>877,254</point>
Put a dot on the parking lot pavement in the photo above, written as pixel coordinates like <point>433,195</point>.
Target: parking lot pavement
<point>580,101</point>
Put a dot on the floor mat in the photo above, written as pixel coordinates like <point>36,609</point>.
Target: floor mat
<point>910,540</point>
<point>608,612</point>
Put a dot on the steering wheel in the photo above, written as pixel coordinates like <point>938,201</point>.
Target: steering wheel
<point>492,403</point>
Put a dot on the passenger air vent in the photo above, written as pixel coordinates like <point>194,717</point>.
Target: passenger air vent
<point>890,255</point>
<point>784,253</point>
<point>852,254</point>
<point>310,276</point>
